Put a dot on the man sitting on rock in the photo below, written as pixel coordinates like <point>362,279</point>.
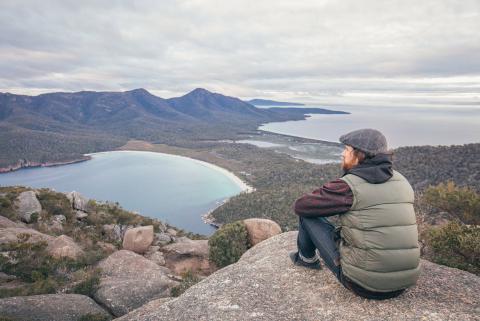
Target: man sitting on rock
<point>373,250</point>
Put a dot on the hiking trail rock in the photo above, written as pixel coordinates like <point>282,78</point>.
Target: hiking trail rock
<point>265,285</point>
<point>51,307</point>
<point>129,280</point>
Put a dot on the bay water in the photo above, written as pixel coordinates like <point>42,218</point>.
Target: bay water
<point>174,189</point>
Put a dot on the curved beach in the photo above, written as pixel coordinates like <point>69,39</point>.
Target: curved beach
<point>237,180</point>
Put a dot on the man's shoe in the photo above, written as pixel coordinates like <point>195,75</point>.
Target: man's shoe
<point>297,260</point>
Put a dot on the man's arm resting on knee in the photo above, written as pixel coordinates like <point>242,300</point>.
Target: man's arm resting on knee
<point>332,198</point>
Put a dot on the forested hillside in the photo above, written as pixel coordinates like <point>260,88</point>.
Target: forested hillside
<point>280,180</point>
<point>63,126</point>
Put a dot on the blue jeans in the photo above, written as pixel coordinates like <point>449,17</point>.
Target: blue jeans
<point>319,233</point>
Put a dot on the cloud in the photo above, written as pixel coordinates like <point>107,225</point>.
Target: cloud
<point>248,48</point>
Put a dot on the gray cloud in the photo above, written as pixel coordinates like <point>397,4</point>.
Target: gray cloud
<point>308,49</point>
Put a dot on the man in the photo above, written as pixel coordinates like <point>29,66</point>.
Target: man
<point>373,251</point>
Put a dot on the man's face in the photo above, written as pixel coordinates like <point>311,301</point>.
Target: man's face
<point>349,160</point>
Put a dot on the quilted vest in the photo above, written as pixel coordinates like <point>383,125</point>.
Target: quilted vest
<point>379,246</point>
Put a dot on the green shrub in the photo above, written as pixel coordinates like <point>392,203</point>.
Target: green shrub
<point>188,279</point>
<point>31,263</point>
<point>228,244</point>
<point>6,206</point>
<point>43,285</point>
<point>55,203</point>
<point>94,317</point>
<point>456,245</point>
<point>2,318</point>
<point>27,260</point>
<point>5,202</point>
<point>9,292</point>
<point>464,202</point>
<point>89,285</point>
<point>34,217</point>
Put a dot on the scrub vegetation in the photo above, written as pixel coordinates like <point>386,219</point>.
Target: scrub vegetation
<point>36,271</point>
<point>228,243</point>
<point>456,243</point>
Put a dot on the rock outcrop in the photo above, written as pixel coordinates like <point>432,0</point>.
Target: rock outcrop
<point>186,254</point>
<point>51,307</point>
<point>13,234</point>
<point>80,215</point>
<point>78,201</point>
<point>260,229</point>
<point>138,239</point>
<point>27,204</point>
<point>5,222</point>
<point>162,238</point>
<point>64,246</point>
<point>129,280</point>
<point>153,254</point>
<point>115,232</point>
<point>265,285</point>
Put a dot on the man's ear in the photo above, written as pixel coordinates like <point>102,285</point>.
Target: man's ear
<point>359,156</point>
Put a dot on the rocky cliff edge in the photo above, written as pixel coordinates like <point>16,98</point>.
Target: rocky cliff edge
<point>265,285</point>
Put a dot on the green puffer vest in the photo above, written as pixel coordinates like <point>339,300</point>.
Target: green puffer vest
<point>379,247</point>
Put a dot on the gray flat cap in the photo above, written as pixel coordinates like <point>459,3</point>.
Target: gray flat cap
<point>367,140</point>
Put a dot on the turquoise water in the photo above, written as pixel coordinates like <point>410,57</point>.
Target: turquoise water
<point>403,126</point>
<point>174,189</point>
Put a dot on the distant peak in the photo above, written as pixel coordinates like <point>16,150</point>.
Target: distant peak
<point>200,91</point>
<point>139,91</point>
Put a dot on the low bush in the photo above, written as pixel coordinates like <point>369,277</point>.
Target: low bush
<point>26,260</point>
<point>94,317</point>
<point>31,263</point>
<point>8,319</point>
<point>228,244</point>
<point>9,292</point>
<point>188,279</point>
<point>456,245</point>
<point>464,202</point>
<point>55,203</point>
<point>5,202</point>
<point>7,199</point>
<point>89,285</point>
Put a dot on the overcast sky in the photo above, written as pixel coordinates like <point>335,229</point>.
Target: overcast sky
<point>303,50</point>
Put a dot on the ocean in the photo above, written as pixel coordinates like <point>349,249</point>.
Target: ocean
<point>403,126</point>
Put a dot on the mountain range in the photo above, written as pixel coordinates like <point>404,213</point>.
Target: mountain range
<point>61,126</point>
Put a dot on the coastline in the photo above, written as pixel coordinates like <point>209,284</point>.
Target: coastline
<point>28,164</point>
<point>237,180</point>
<point>207,218</point>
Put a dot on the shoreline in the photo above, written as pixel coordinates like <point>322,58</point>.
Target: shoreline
<point>207,218</point>
<point>237,180</point>
<point>28,164</point>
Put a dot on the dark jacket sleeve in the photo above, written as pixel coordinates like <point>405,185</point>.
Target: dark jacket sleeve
<point>332,198</point>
